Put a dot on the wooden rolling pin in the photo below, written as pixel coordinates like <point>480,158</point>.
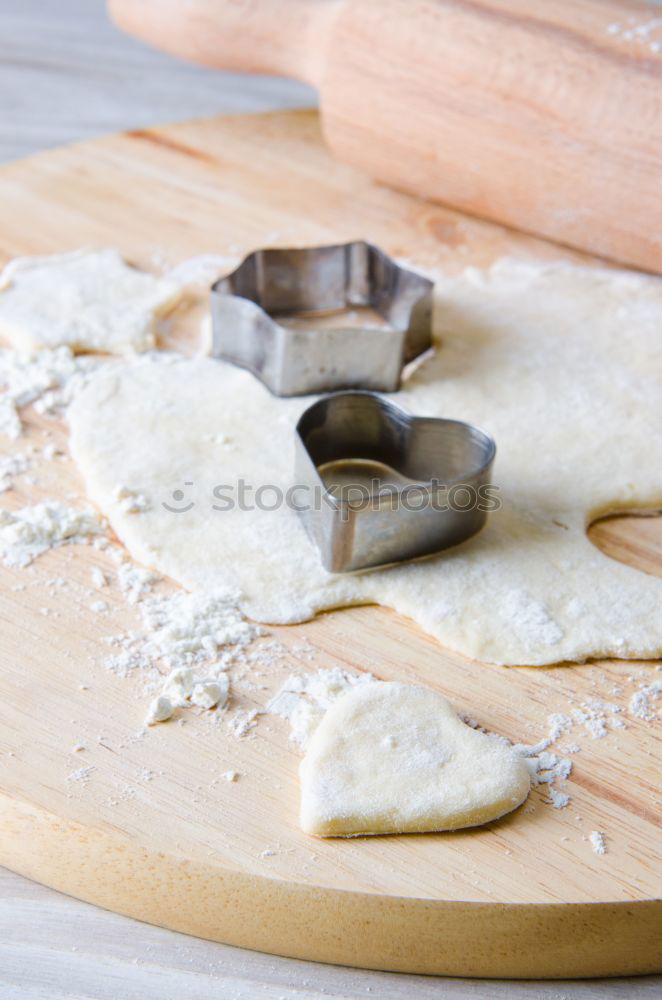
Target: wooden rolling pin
<point>545,115</point>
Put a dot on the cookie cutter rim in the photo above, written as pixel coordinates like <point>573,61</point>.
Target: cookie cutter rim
<point>271,282</point>
<point>333,528</point>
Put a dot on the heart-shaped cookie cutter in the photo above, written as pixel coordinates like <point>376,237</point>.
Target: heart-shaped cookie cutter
<point>428,488</point>
<point>272,283</point>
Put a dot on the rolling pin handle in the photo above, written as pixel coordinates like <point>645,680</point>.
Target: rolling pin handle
<point>280,37</point>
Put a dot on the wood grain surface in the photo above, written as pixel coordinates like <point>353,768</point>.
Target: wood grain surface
<point>522,897</point>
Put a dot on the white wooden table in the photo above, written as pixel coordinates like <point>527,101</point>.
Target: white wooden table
<point>65,74</point>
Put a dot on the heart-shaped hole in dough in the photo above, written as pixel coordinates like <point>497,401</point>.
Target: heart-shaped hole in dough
<point>632,539</point>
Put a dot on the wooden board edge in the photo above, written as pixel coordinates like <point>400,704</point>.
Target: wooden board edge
<point>513,941</point>
<point>160,135</point>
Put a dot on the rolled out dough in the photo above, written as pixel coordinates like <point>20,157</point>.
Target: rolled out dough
<point>88,300</point>
<point>394,758</point>
<point>562,365</point>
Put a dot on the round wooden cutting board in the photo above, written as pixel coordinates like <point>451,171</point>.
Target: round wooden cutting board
<point>142,822</point>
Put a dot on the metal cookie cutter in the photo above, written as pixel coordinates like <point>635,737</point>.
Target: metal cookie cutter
<point>269,284</point>
<point>392,486</point>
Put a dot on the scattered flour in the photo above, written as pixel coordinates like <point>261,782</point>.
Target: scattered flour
<point>558,799</point>
<point>132,501</point>
<point>186,629</point>
<point>83,774</point>
<point>546,768</point>
<point>183,688</point>
<point>48,379</point>
<point>558,724</point>
<point>642,702</point>
<point>209,692</point>
<point>134,581</point>
<point>178,686</point>
<point>597,840</point>
<point>27,533</point>
<point>195,636</point>
<point>99,578</point>
<point>10,422</point>
<point>12,466</point>
<point>597,716</point>
<point>243,722</point>
<point>303,700</point>
<point>160,710</point>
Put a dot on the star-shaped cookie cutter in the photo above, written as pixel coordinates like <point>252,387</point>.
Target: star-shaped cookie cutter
<point>382,486</point>
<point>269,284</point>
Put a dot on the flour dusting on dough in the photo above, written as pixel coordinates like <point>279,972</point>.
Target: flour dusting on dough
<point>87,300</point>
<point>562,365</point>
<point>395,758</point>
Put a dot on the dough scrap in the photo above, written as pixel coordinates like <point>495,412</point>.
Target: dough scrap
<point>395,758</point>
<point>88,300</point>
<point>562,365</point>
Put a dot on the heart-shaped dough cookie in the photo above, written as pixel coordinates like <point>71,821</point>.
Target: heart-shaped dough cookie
<point>395,758</point>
